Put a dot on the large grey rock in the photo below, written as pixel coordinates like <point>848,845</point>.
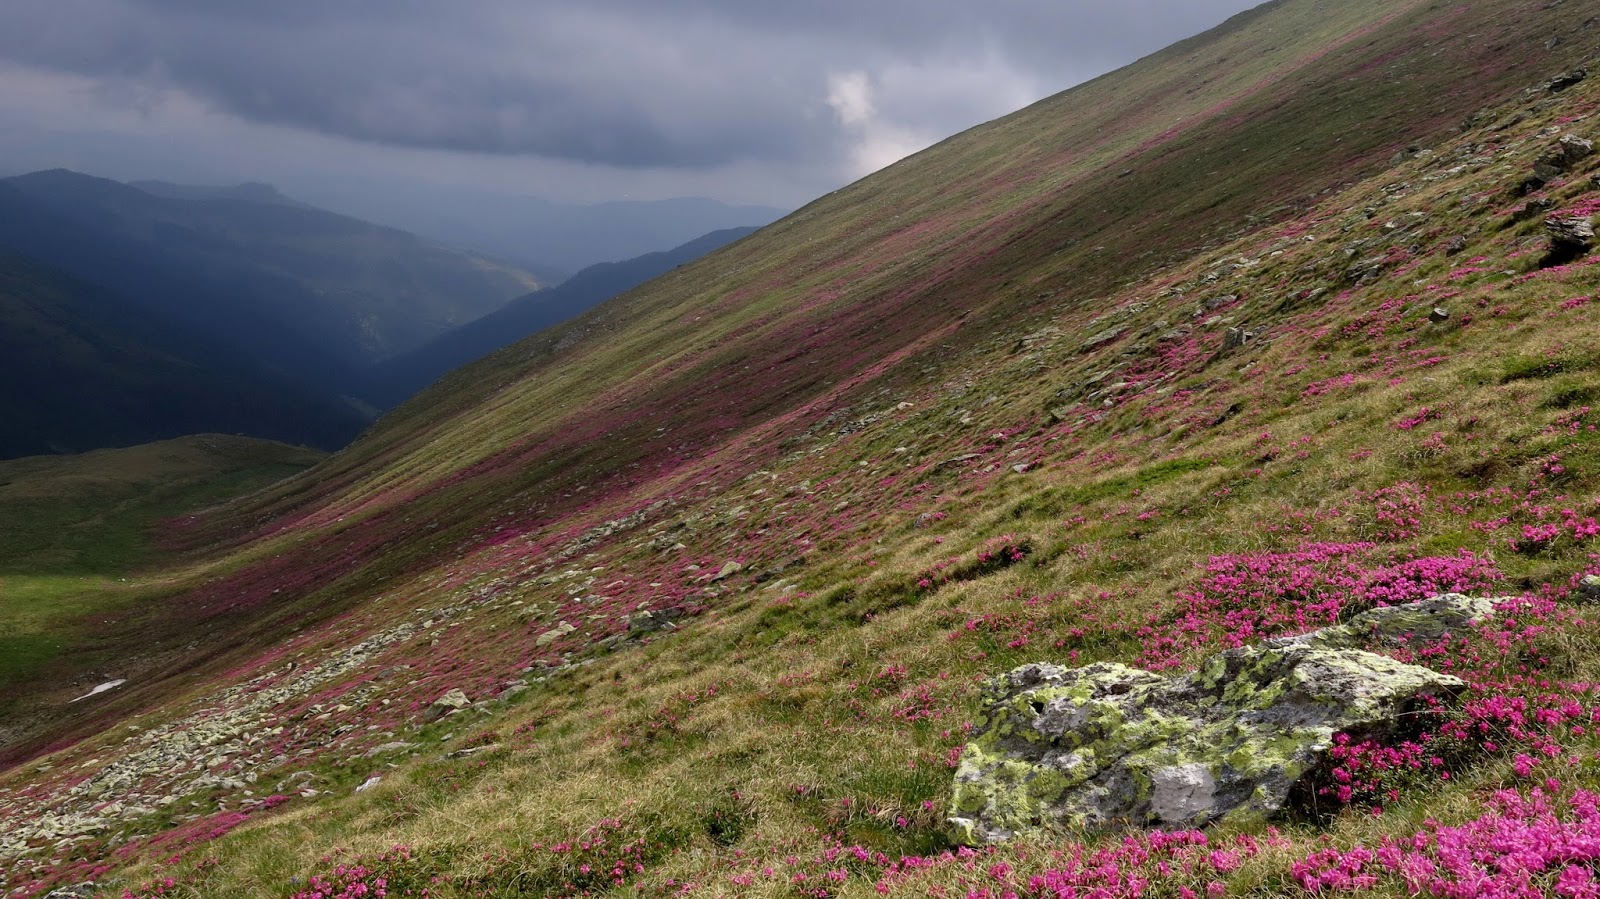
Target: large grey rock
<point>649,621</point>
<point>1108,746</point>
<point>1559,159</point>
<point>1588,589</point>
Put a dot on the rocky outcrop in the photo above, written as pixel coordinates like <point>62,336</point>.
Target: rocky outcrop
<point>1565,80</point>
<point>1109,746</point>
<point>1571,238</point>
<point>1560,159</point>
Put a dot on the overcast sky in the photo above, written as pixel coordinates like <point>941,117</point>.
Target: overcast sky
<point>761,101</point>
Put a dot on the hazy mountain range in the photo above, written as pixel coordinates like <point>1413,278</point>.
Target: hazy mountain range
<point>150,310</point>
<point>553,240</point>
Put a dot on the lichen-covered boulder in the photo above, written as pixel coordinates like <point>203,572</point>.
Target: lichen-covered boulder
<point>1109,746</point>
<point>1417,623</point>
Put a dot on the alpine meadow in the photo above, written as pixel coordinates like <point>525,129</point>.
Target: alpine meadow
<point>1187,485</point>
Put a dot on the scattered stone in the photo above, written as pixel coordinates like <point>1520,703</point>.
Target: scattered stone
<point>453,701</point>
<point>728,570</point>
<point>552,635</point>
<point>1364,270</point>
<point>1236,338</point>
<point>959,461</point>
<point>649,621</point>
<point>1227,413</point>
<point>1109,746</point>
<point>369,783</point>
<point>1589,589</point>
<point>1565,80</point>
<point>1404,155</point>
<point>386,748</point>
<point>85,890</point>
<point>1455,245</point>
<point>471,751</point>
<point>1573,148</point>
<point>1538,206</point>
<point>1102,338</point>
<point>1439,315</point>
<point>1022,468</point>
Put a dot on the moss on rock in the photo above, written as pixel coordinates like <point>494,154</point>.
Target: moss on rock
<point>1107,745</point>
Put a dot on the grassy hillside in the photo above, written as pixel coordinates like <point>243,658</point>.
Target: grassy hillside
<point>77,533</point>
<point>1148,369</point>
<point>398,379</point>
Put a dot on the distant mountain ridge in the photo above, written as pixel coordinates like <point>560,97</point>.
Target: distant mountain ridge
<point>252,191</point>
<point>395,380</point>
<point>549,238</point>
<point>145,312</point>
<point>205,293</point>
<point>357,290</point>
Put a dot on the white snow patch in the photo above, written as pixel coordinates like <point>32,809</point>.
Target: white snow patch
<point>108,685</point>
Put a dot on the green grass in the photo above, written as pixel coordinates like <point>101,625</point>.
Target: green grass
<point>77,532</point>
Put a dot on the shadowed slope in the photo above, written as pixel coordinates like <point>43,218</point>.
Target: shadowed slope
<point>87,368</point>
<point>301,289</point>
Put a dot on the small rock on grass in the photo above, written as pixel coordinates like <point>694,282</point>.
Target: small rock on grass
<point>453,701</point>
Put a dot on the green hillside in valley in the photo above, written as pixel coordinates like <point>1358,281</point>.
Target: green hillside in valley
<point>702,592</point>
<point>77,533</point>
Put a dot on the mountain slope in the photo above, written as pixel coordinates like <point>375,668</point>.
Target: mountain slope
<point>1146,370</point>
<point>89,369</point>
<point>299,287</point>
<point>396,379</point>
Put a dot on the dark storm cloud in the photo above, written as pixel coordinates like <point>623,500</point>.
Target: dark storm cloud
<point>628,83</point>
